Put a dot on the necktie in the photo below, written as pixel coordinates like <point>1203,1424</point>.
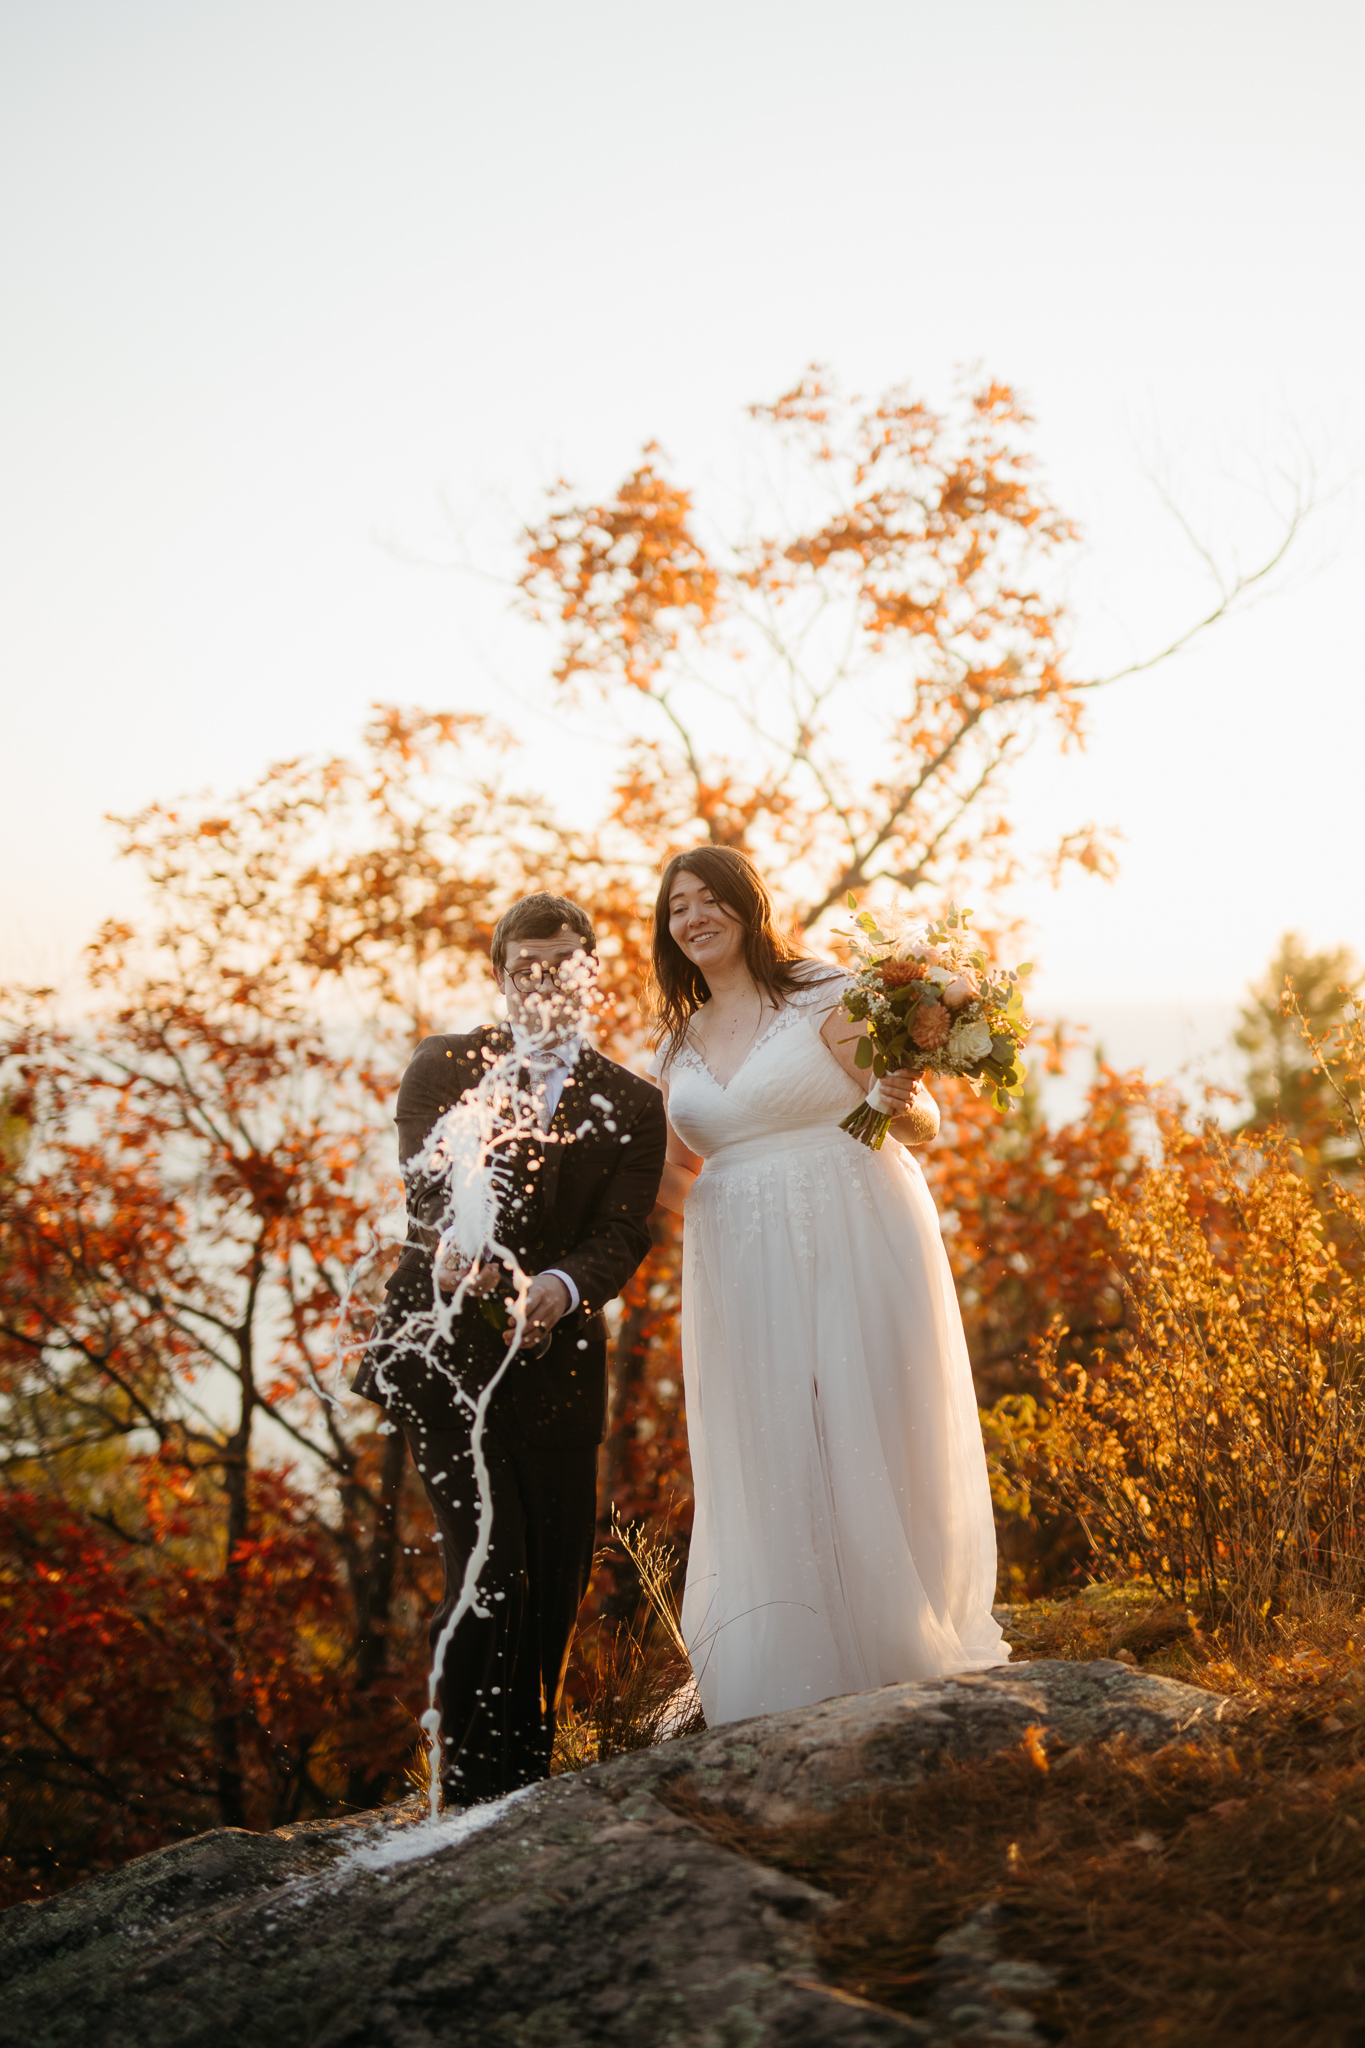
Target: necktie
<point>537,1068</point>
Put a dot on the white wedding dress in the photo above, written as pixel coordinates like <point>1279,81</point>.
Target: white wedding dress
<point>843,1535</point>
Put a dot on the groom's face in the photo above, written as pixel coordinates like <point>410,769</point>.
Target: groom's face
<point>547,984</point>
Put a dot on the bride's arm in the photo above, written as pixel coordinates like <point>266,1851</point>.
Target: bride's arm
<point>681,1168</point>
<point>918,1120</point>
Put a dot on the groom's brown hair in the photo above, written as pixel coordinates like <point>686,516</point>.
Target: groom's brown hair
<point>539,917</point>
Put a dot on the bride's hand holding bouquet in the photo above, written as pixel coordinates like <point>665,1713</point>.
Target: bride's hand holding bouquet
<point>931,1002</point>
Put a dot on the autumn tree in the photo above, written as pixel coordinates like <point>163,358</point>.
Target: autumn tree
<point>842,683</point>
<point>189,1520</point>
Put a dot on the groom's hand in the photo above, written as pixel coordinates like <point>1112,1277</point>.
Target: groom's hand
<point>546,1302</point>
<point>450,1272</point>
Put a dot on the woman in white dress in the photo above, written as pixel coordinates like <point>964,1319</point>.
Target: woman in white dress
<point>843,1535</point>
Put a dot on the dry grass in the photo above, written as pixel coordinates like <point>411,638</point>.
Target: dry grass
<point>1315,1644</point>
<point>637,1677</point>
<point>1183,1899</point>
<point>1131,1622</point>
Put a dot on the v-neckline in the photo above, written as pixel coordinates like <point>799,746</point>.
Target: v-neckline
<point>762,1039</point>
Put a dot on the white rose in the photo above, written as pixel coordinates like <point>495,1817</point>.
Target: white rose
<point>942,975</point>
<point>969,1041</point>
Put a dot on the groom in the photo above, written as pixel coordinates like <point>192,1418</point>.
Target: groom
<point>576,1214</point>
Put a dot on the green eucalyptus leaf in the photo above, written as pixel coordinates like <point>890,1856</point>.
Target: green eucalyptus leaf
<point>863,1056</point>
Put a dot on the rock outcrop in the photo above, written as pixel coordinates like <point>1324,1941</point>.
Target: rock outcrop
<point>584,1910</point>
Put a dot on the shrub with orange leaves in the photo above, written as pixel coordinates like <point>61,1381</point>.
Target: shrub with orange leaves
<point>1218,1447</point>
<point>199,1167</point>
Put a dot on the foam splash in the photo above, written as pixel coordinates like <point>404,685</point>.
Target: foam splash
<point>469,1150</point>
<point>418,1839</point>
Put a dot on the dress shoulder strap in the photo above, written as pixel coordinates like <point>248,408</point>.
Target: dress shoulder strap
<point>819,988</point>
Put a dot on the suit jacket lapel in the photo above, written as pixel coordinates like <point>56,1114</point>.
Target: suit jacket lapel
<point>525,1166</point>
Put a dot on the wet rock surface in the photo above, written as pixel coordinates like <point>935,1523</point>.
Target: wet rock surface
<point>585,1910</point>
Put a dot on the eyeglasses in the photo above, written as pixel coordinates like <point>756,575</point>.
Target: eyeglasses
<point>535,975</point>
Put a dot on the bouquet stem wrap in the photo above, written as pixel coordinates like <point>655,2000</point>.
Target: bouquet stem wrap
<point>871,1120</point>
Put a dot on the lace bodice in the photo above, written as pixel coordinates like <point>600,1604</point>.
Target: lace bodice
<point>789,1081</point>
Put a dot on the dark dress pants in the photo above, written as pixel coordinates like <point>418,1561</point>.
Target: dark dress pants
<point>502,1676</point>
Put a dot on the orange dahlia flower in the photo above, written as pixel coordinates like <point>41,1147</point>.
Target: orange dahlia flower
<point>931,1027</point>
<point>898,973</point>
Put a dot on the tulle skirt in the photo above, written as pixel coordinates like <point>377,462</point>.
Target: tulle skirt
<point>843,1535</point>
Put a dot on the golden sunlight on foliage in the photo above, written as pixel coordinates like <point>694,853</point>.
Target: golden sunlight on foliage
<point>1218,1448</point>
<point>907,544</point>
<point>215,1566</point>
<point>1207,1893</point>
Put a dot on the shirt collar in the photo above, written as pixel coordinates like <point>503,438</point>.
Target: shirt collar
<point>563,1054</point>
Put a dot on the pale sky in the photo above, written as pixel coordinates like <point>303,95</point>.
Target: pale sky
<point>277,278</point>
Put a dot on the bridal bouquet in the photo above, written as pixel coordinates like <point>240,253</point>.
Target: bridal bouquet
<point>934,1003</point>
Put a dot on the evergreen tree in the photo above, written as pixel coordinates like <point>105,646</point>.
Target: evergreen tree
<point>1286,1083</point>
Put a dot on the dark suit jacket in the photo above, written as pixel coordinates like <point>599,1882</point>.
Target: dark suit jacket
<point>580,1200</point>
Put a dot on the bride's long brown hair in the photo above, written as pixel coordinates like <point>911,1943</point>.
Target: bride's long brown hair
<point>677,987</point>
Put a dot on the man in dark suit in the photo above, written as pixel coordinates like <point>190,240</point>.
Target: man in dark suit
<point>577,1190</point>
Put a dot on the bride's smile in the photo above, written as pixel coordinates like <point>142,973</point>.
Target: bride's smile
<point>710,935</point>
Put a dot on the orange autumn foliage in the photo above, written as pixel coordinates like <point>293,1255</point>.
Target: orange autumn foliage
<point>218,1577</point>
<point>1219,1447</point>
<point>900,573</point>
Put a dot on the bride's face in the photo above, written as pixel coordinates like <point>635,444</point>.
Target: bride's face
<point>702,927</point>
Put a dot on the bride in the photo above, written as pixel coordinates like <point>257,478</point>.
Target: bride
<point>843,1536</point>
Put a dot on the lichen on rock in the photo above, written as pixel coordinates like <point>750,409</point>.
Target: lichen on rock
<point>583,1910</point>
